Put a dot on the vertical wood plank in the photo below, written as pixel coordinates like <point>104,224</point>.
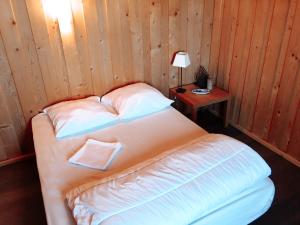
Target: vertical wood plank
<point>4,122</point>
<point>177,35</point>
<point>79,83</point>
<point>3,155</point>
<point>10,101</point>
<point>159,44</point>
<point>285,111</point>
<point>155,40</point>
<point>208,16</point>
<point>243,36</point>
<point>126,48</point>
<point>6,131</point>
<point>283,18</point>
<point>294,143</point>
<point>115,41</point>
<point>216,39</point>
<point>194,38</point>
<point>136,18</point>
<point>229,24</point>
<point>165,47</point>
<point>50,53</point>
<point>81,45</point>
<point>9,142</point>
<point>146,40</point>
<point>98,44</point>
<point>20,48</point>
<point>264,12</point>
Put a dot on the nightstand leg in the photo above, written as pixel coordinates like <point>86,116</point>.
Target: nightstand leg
<point>226,108</point>
<point>173,97</point>
<point>194,114</point>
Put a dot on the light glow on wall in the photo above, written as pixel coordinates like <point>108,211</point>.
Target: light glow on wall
<point>60,10</point>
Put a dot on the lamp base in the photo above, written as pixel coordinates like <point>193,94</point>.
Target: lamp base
<point>180,90</point>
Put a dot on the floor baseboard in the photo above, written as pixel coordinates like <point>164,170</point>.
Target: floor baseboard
<point>18,158</point>
<point>266,144</point>
<point>261,141</point>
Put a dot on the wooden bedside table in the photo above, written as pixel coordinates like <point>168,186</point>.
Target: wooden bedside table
<point>195,101</point>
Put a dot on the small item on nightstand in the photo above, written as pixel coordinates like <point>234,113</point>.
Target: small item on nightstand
<point>180,90</point>
<point>201,78</point>
<point>209,84</point>
<point>199,91</point>
<point>181,60</point>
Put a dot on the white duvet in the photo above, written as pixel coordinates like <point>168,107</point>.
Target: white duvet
<point>175,187</point>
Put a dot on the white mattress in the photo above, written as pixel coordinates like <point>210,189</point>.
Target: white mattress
<point>142,138</point>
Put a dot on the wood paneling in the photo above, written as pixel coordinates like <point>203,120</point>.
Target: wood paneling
<point>282,22</point>
<point>178,22</point>
<point>194,37</point>
<point>262,73</point>
<point>22,56</point>
<point>250,47</point>
<point>107,44</point>
<point>50,52</point>
<point>264,13</point>
<point>12,123</point>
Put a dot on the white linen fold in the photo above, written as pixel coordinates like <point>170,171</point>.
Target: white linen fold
<point>96,154</point>
<point>228,165</point>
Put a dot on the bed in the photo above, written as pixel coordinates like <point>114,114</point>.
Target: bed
<point>161,131</point>
<point>167,170</point>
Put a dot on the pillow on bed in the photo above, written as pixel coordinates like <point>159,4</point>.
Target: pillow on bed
<point>79,116</point>
<point>136,100</point>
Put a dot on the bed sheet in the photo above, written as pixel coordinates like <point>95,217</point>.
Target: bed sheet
<point>243,208</point>
<point>141,139</point>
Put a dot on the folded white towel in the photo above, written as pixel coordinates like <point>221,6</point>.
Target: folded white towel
<point>96,154</point>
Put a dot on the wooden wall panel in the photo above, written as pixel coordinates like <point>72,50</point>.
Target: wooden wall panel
<point>155,41</point>
<point>294,143</point>
<point>80,36</point>
<point>79,79</point>
<point>136,27</point>
<point>289,91</point>
<point>95,13</point>
<point>194,37</point>
<point>12,123</point>
<point>240,56</point>
<point>259,40</point>
<point>275,55</point>
<point>208,16</point>
<point>178,22</point>
<point>145,15</point>
<point>228,33</point>
<point>164,86</point>
<point>216,38</point>
<point>22,56</point>
<point>250,47</point>
<point>126,45</point>
<point>8,137</point>
<point>262,73</point>
<point>50,52</point>
<point>10,93</point>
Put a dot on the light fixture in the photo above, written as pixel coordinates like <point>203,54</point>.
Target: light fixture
<point>60,10</point>
<point>181,60</point>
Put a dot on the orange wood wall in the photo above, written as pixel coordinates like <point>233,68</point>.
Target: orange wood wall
<point>255,55</point>
<point>250,47</point>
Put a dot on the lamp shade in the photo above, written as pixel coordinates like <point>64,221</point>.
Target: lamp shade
<point>181,59</point>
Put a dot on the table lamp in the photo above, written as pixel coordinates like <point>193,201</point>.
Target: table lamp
<point>181,60</point>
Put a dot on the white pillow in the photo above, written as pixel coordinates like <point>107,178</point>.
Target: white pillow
<point>79,116</point>
<point>136,100</point>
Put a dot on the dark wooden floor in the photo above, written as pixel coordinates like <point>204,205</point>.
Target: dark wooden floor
<point>285,209</point>
<point>21,200</point>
